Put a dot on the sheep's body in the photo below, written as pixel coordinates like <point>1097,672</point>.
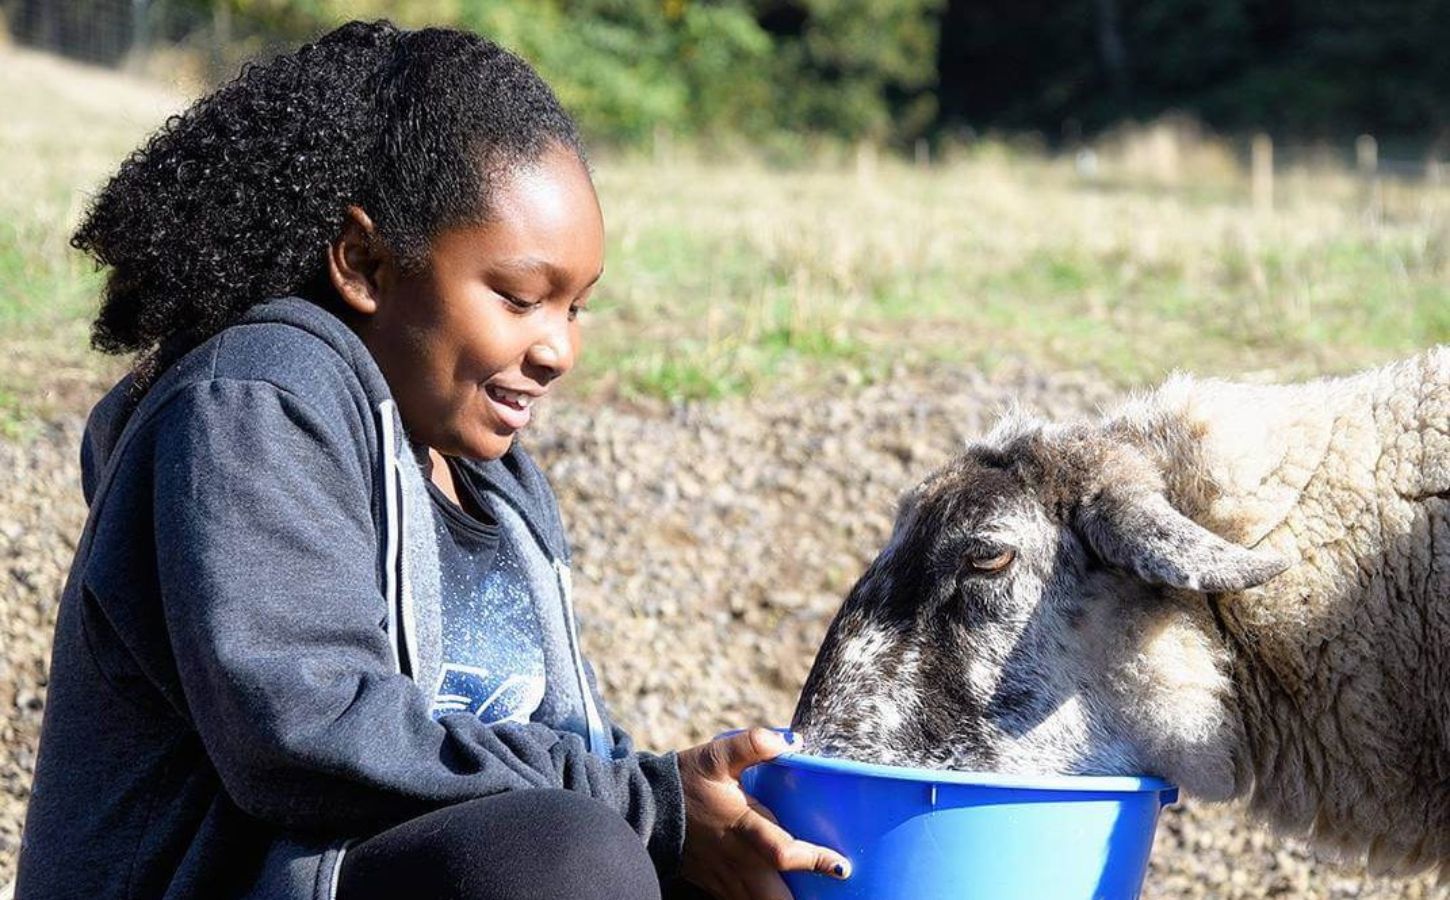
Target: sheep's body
<point>1130,629</point>
<point>1339,664</point>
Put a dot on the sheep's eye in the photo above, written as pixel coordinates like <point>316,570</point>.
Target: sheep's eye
<point>992,563</point>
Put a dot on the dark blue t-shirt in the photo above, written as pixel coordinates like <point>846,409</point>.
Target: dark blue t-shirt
<point>493,649</point>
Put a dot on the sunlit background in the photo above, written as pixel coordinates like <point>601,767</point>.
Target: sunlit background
<point>815,202</point>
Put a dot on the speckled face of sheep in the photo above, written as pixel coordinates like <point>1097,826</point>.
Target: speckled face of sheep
<point>1039,608</point>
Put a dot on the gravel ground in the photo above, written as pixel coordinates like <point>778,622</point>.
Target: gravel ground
<point>712,544</point>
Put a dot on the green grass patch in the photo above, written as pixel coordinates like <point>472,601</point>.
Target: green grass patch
<point>16,421</point>
<point>728,278</point>
<point>42,285</point>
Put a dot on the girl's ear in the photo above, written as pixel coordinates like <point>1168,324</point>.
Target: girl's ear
<point>355,260</point>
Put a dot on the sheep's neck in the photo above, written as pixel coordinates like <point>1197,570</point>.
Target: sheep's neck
<point>1339,664</point>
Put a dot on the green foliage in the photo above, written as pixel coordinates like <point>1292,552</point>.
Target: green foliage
<point>630,69</point>
<point>770,71</point>
<point>850,54</point>
<point>1311,68</point>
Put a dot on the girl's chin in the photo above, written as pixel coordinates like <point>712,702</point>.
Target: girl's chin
<point>491,446</point>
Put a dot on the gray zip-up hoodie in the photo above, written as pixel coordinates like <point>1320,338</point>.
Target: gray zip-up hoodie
<point>249,639</point>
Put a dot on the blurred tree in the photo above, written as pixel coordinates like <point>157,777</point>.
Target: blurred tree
<point>855,67</point>
<point>880,69</point>
<point>294,20</point>
<point>624,67</point>
<point>628,67</point>
<point>1314,68</point>
<point>99,31</point>
<point>1023,63</point>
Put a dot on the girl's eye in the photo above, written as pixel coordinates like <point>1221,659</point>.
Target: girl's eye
<point>576,311</point>
<point>517,302</point>
<point>992,563</point>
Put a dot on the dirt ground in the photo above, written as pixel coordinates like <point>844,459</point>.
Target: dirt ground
<point>713,543</point>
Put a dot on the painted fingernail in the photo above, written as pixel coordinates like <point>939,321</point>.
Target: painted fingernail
<point>840,871</point>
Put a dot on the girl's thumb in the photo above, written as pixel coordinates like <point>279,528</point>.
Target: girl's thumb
<point>754,745</point>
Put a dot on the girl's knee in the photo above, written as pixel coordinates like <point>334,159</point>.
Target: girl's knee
<point>537,844</point>
<point>565,845</point>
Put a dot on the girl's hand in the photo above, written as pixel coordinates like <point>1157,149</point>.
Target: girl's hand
<point>734,847</point>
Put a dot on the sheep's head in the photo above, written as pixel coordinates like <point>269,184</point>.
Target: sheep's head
<point>1040,607</point>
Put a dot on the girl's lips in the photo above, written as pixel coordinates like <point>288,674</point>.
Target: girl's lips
<point>511,408</point>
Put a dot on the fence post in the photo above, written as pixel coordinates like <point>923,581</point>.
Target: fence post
<point>1366,155</point>
<point>1261,155</point>
<point>48,30</point>
<point>1367,162</point>
<point>140,44</point>
<point>221,38</point>
<point>865,163</point>
<point>662,145</point>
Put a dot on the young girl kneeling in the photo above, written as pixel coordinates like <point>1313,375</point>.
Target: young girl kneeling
<point>318,639</point>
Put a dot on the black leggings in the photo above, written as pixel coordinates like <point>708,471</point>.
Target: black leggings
<point>519,845</point>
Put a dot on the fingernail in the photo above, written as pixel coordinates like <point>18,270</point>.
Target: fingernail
<point>792,738</point>
<point>840,871</point>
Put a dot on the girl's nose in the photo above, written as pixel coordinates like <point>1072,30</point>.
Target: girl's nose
<point>553,352</point>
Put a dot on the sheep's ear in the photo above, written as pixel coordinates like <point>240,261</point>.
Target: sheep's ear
<point>1144,534</point>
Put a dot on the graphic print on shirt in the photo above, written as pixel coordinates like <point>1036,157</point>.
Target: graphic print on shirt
<point>493,657</point>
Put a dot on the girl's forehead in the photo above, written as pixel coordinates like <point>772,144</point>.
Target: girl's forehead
<point>544,220</point>
<point>551,195</point>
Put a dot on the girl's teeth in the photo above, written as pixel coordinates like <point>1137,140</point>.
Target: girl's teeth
<point>517,399</point>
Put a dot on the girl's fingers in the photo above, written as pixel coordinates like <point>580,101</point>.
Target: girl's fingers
<point>786,853</point>
<point>801,856</point>
<point>763,884</point>
<point>762,809</point>
<point>754,745</point>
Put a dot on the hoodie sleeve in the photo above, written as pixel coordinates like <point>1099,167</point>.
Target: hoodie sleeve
<point>268,567</point>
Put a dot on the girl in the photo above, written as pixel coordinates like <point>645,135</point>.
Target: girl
<point>318,639</point>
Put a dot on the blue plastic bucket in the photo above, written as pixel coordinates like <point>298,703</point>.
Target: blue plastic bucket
<point>921,834</point>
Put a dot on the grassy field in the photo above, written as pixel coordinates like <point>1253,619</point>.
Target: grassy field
<point>731,276</point>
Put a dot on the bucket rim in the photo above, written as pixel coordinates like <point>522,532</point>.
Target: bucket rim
<point>1124,784</point>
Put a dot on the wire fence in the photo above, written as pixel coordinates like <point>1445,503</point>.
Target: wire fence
<point>132,33</point>
<point>119,32</point>
<point>102,31</point>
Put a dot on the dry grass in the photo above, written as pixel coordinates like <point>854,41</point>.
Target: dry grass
<point>728,276</point>
<point>65,128</point>
<point>724,272</point>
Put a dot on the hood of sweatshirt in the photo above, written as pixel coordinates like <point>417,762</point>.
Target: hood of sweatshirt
<point>401,509</point>
<point>109,417</point>
<point>200,545</point>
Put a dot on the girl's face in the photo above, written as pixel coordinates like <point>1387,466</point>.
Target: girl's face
<point>472,341</point>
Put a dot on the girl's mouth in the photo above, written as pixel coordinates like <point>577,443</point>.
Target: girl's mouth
<point>511,407</point>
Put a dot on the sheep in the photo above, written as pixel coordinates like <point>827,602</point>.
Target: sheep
<point>1242,588</point>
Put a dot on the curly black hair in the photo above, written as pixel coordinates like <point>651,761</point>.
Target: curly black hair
<point>236,200</point>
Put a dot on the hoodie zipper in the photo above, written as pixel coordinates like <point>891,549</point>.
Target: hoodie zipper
<point>399,593</point>
<point>596,738</point>
<point>394,559</point>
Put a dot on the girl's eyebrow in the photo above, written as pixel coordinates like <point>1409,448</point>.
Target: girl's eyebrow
<point>533,265</point>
